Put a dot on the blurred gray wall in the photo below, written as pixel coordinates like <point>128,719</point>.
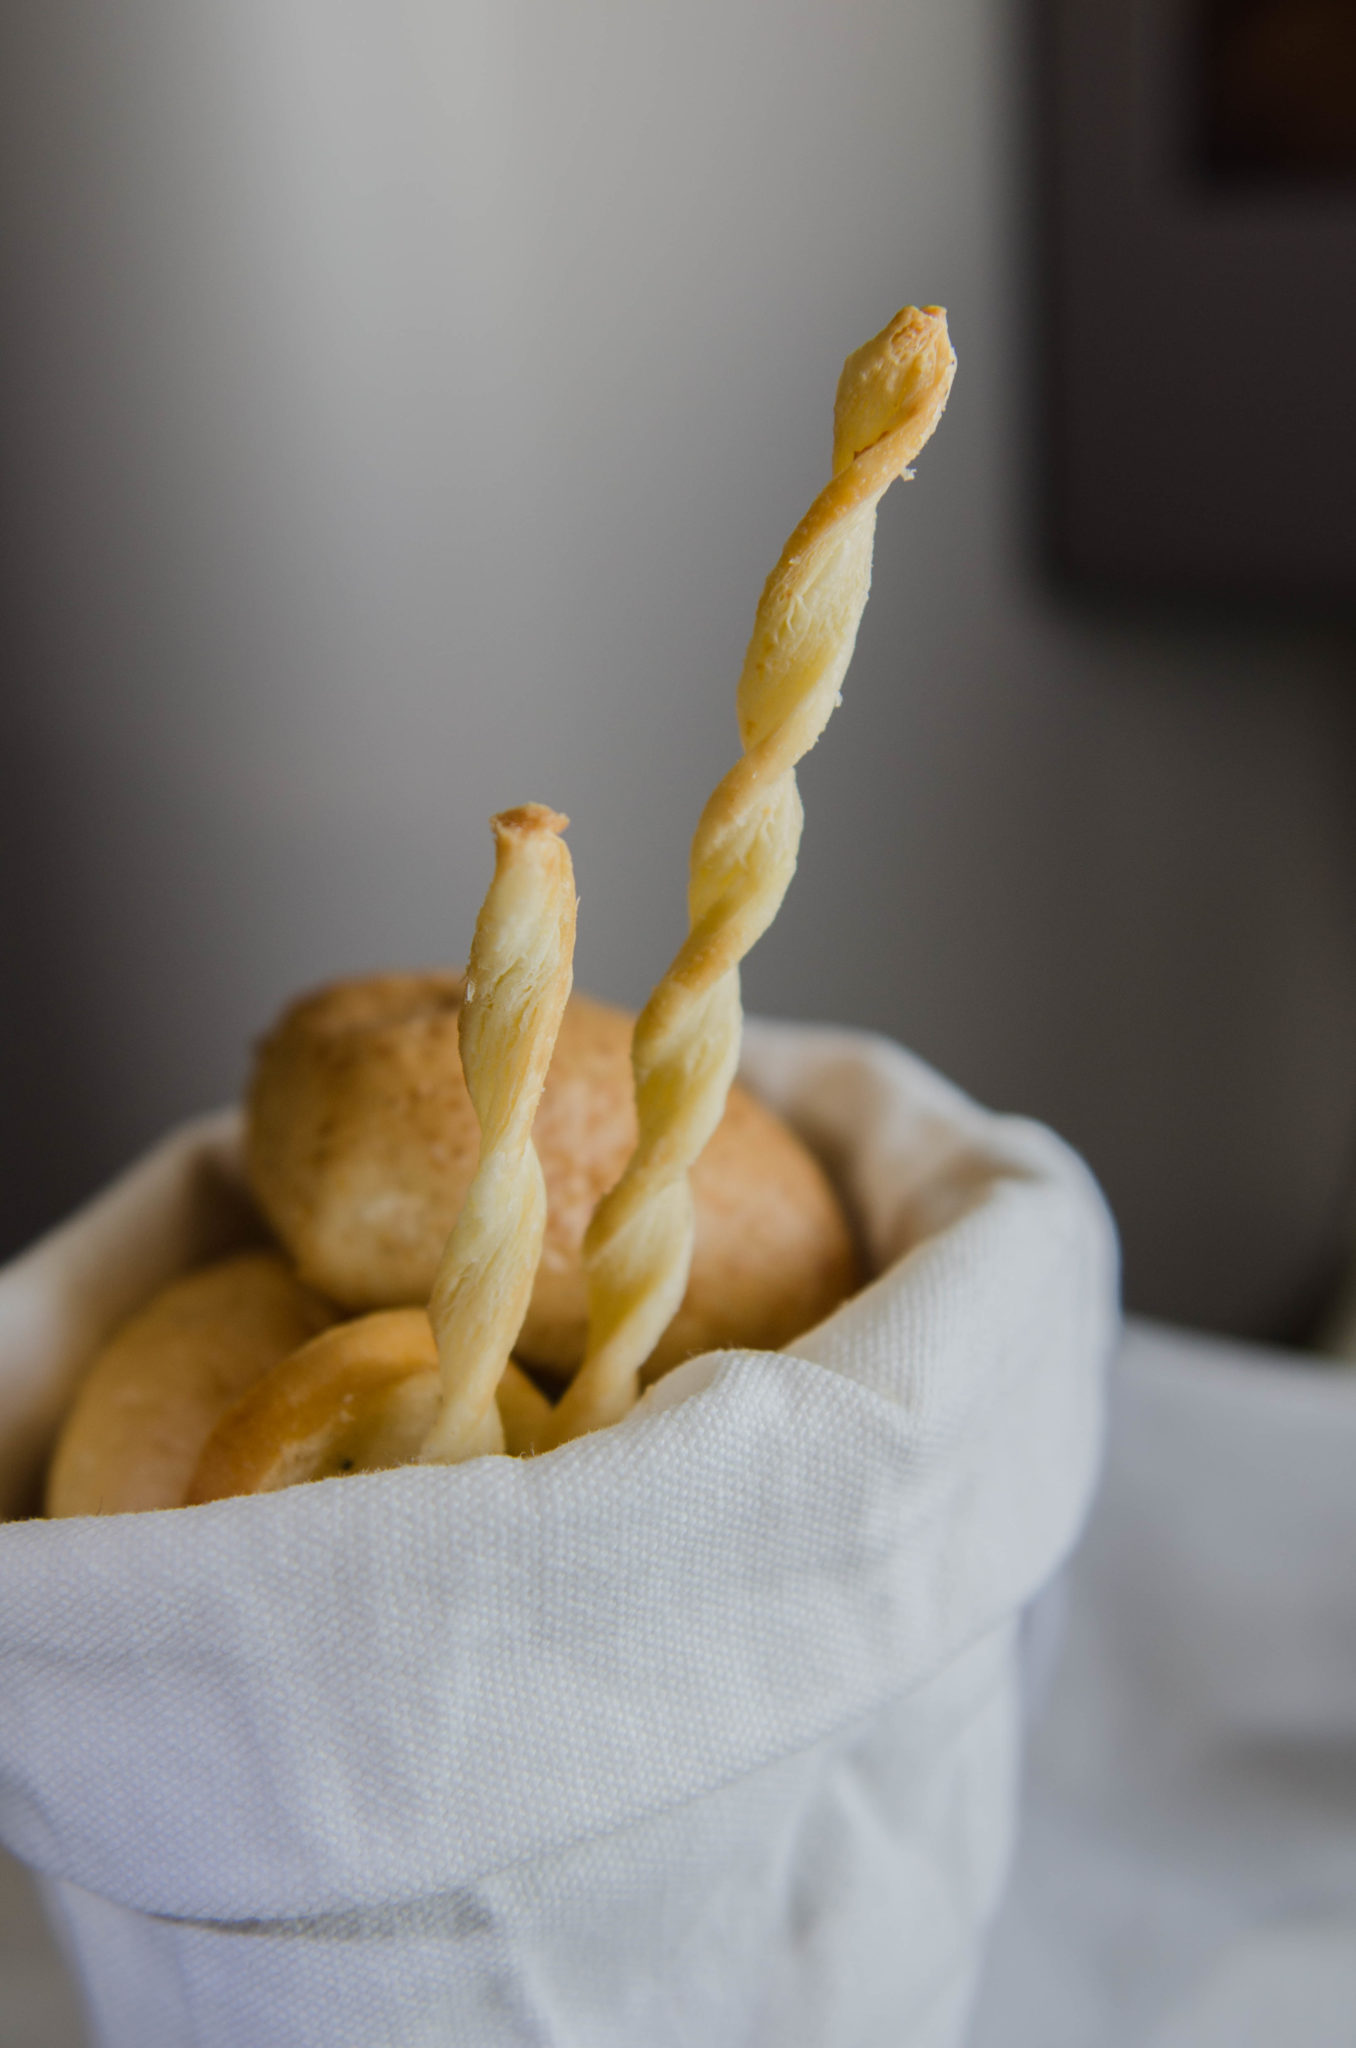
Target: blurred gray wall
<point>403,401</point>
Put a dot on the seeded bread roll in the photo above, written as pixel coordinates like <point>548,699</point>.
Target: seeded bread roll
<point>157,1391</point>
<point>362,1142</point>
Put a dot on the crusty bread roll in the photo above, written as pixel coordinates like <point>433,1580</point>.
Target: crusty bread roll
<point>362,1141</point>
<point>358,1398</point>
<point>155,1394</point>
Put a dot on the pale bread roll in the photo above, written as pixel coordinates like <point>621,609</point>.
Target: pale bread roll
<point>155,1394</point>
<point>358,1398</point>
<point>362,1142</point>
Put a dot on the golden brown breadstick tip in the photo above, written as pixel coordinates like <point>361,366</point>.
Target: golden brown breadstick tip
<point>686,1044</point>
<point>517,984</point>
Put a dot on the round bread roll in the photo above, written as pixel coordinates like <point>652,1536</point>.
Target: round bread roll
<point>155,1394</point>
<point>361,1397</point>
<point>362,1141</point>
<point>358,1398</point>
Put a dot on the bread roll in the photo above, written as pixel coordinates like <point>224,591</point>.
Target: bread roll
<point>358,1398</point>
<point>155,1394</point>
<point>362,1141</point>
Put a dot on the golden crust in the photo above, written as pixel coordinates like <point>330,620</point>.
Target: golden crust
<point>360,1397</point>
<point>155,1393</point>
<point>362,1143</point>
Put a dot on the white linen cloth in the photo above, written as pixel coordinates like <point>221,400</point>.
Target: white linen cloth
<point>1186,1876</point>
<point>700,1730</point>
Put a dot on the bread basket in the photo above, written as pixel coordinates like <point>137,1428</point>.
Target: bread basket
<point>701,1729</point>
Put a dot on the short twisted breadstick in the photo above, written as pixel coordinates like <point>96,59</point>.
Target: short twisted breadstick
<point>517,984</point>
<point>686,1044</point>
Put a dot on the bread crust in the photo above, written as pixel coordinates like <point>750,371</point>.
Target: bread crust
<point>360,1397</point>
<point>361,1143</point>
<point>157,1391</point>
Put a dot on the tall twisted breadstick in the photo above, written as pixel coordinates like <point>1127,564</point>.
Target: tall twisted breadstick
<point>517,984</point>
<point>686,1044</point>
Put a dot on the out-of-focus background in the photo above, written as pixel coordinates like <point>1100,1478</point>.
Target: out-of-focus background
<point>402,405</point>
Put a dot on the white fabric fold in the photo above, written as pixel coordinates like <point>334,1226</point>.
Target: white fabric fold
<point>1187,1876</point>
<point>709,1714</point>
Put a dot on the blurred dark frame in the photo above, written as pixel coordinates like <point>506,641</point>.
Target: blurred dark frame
<point>1273,86</point>
<point>1198,175</point>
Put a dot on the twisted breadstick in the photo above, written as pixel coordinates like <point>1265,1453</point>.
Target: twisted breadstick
<point>686,1044</point>
<point>516,988</point>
